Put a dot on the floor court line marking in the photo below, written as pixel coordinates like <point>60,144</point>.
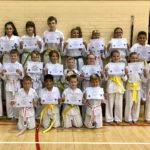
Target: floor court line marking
<point>82,143</point>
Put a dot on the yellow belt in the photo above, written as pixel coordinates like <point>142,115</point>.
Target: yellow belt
<point>117,80</point>
<point>67,109</point>
<point>48,106</point>
<point>134,87</point>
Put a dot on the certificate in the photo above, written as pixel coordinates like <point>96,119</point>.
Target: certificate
<point>49,98</point>
<point>52,37</point>
<point>55,69</point>
<point>30,43</point>
<point>91,69</point>
<point>75,43</point>
<point>6,45</point>
<point>97,44</point>
<point>34,67</point>
<point>24,101</point>
<point>119,43</point>
<point>74,98</point>
<point>136,67</point>
<point>94,93</point>
<point>144,53</point>
<point>116,68</point>
<point>10,68</point>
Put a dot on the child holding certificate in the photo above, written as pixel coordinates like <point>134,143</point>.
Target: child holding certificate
<point>133,89</point>
<point>25,99</point>
<point>97,47</point>
<point>114,89</point>
<point>50,96</point>
<point>53,38</point>
<point>56,69</point>
<point>13,73</point>
<point>35,70</point>
<point>143,49</point>
<point>70,70</point>
<point>119,43</point>
<point>72,97</point>
<point>10,40</point>
<point>29,42</point>
<point>93,98</point>
<point>75,47</point>
<point>88,70</point>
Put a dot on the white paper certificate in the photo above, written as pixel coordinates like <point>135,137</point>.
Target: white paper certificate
<point>10,68</point>
<point>134,68</point>
<point>74,98</point>
<point>119,43</point>
<point>116,68</point>
<point>23,101</point>
<point>144,53</point>
<point>34,67</point>
<point>6,45</point>
<point>55,69</point>
<point>30,43</point>
<point>49,98</point>
<point>75,43</point>
<point>94,93</point>
<point>52,37</point>
<point>91,69</point>
<point>97,44</point>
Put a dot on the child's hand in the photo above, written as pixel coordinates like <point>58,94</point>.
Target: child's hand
<point>16,46</point>
<point>21,45</point>
<point>13,102</point>
<point>60,100</point>
<point>39,44</point>
<point>19,72</point>
<point>145,72</point>
<point>65,44</point>
<point>85,44</point>
<point>82,75</point>
<point>126,71</point>
<point>45,71</point>
<point>35,102</point>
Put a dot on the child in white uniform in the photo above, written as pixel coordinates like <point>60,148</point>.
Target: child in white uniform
<point>30,34</point>
<point>78,54</point>
<point>36,78</point>
<point>52,24</point>
<point>11,35</point>
<point>94,49</point>
<point>93,115</point>
<point>51,114</point>
<point>70,70</point>
<point>12,82</point>
<point>26,114</point>
<point>140,47</point>
<point>118,33</point>
<point>133,92</point>
<point>71,112</point>
<point>58,79</point>
<point>115,91</point>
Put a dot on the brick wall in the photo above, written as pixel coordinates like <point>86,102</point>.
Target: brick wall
<point>102,15</point>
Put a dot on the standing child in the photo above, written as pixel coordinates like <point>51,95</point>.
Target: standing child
<point>133,92</point>
<point>98,48</point>
<point>58,79</point>
<point>36,78</point>
<point>118,33</point>
<point>71,112</point>
<point>53,38</point>
<point>50,116</point>
<point>93,99</point>
<point>141,47</point>
<point>36,45</point>
<point>115,91</point>
<point>11,35</point>
<point>12,81</point>
<point>26,118</point>
<point>78,54</point>
<point>70,70</point>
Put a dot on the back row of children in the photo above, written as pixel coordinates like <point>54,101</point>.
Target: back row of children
<point>75,65</point>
